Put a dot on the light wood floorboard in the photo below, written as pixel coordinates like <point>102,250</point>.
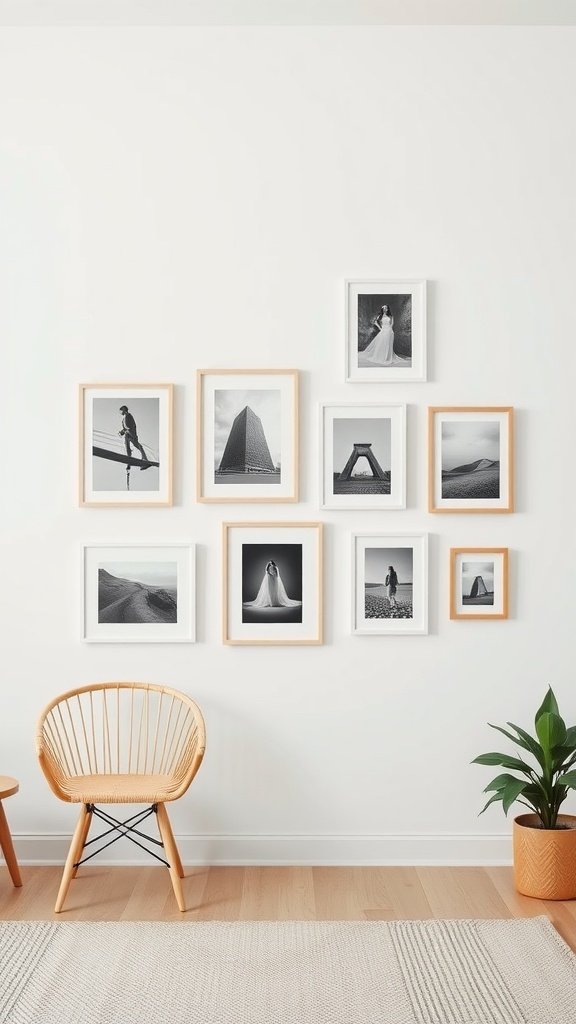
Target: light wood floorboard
<point>278,894</point>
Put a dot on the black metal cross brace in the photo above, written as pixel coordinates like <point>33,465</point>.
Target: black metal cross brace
<point>124,828</point>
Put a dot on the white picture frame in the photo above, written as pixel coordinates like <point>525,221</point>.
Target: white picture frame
<point>401,607</point>
<point>385,331</point>
<point>125,456</point>
<point>363,456</point>
<point>138,593</point>
<point>231,406</point>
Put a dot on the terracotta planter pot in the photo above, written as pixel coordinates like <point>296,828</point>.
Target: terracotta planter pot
<point>545,859</point>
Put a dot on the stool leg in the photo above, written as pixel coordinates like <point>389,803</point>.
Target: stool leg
<point>172,854</point>
<point>8,849</point>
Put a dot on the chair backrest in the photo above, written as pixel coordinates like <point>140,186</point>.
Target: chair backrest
<point>121,729</point>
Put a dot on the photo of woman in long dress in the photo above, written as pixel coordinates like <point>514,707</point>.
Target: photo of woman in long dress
<point>272,583</point>
<point>272,593</point>
<point>384,331</point>
<point>380,351</point>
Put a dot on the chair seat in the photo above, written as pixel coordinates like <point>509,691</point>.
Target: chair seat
<point>120,789</point>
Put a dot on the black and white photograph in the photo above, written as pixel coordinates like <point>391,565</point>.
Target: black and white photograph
<point>363,456</point>
<point>479,478</point>
<point>479,583</point>
<point>272,583</point>
<point>390,576</point>
<point>126,444</point>
<point>138,593</point>
<point>247,435</point>
<point>471,459</point>
<point>388,583</point>
<point>386,330</point>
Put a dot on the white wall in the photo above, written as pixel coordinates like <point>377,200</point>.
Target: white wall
<point>182,198</point>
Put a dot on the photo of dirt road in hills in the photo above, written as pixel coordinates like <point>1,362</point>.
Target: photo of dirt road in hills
<point>131,592</point>
<point>471,459</point>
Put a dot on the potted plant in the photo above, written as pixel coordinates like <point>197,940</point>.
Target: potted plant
<point>544,841</point>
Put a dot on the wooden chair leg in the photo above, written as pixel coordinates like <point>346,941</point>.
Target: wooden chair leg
<point>176,854</point>
<point>73,853</point>
<point>82,841</point>
<point>172,854</point>
<point>8,849</point>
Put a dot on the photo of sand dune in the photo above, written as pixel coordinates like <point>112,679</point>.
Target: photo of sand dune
<point>134,592</point>
<point>481,479</point>
<point>471,459</point>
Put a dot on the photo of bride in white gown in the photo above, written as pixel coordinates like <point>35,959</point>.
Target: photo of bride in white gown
<point>380,351</point>
<point>384,331</point>
<point>272,601</point>
<point>272,593</point>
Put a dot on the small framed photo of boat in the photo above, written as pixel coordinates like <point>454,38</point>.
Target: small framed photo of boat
<point>272,586</point>
<point>385,331</point>
<point>247,436</point>
<point>390,583</point>
<point>470,459</point>
<point>363,456</point>
<point>126,444</point>
<point>138,593</point>
<point>478,583</point>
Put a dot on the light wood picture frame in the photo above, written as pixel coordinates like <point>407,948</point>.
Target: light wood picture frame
<point>385,330</point>
<point>363,456</point>
<point>125,445</point>
<point>478,583</point>
<point>272,591</point>
<point>247,436</point>
<point>471,459</point>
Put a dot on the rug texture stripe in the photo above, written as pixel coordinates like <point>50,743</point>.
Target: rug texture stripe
<point>289,972</point>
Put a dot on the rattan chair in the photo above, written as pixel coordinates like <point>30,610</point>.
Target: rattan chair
<point>121,743</point>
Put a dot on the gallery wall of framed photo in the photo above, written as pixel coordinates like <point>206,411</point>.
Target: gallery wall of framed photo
<point>247,453</point>
<point>339,255</point>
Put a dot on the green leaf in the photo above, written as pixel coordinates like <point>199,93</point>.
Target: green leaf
<point>493,799</point>
<point>500,783</point>
<point>568,779</point>
<point>531,744</point>
<point>549,704</point>
<point>515,739</point>
<point>551,731</point>
<point>560,757</point>
<point>571,737</point>
<point>511,793</point>
<point>504,761</point>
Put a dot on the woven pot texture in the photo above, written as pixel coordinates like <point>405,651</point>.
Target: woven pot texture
<point>545,859</point>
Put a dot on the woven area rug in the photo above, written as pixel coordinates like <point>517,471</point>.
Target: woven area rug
<point>402,972</point>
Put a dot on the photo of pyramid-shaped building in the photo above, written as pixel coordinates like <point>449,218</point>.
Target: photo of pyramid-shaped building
<point>246,449</point>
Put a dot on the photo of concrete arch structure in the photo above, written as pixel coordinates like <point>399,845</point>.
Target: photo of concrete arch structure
<point>362,456</point>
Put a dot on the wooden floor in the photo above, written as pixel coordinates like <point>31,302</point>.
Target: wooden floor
<point>279,894</point>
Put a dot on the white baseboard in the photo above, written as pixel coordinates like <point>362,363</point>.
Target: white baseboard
<point>292,850</point>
